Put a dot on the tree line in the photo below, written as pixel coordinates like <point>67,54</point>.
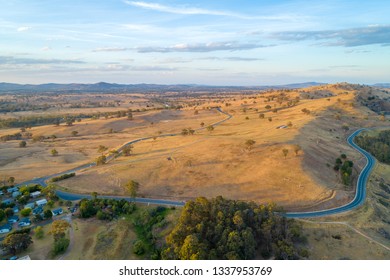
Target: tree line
<point>378,146</point>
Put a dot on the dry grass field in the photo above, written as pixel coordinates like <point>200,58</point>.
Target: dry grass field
<point>211,163</point>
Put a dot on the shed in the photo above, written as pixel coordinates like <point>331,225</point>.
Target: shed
<point>15,209</point>
<point>30,205</point>
<point>5,228</point>
<point>41,202</point>
<point>7,201</point>
<point>12,189</point>
<point>35,194</point>
<point>37,210</point>
<point>25,222</point>
<point>13,219</point>
<point>57,211</point>
<point>16,194</point>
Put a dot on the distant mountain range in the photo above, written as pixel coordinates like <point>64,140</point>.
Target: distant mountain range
<point>131,88</point>
<point>382,85</point>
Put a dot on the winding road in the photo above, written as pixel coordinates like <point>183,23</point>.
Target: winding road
<point>357,201</point>
<point>360,194</point>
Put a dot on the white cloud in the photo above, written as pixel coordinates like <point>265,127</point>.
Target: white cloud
<point>185,10</point>
<point>46,48</point>
<point>110,49</point>
<point>208,47</point>
<point>23,28</point>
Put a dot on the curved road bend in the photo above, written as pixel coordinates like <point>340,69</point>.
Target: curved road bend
<point>360,194</point>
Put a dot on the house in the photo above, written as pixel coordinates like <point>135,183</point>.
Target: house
<point>41,202</point>
<point>24,222</point>
<point>16,194</point>
<point>12,189</point>
<point>30,205</point>
<point>15,209</point>
<point>1,192</point>
<point>7,201</point>
<point>37,210</point>
<point>35,194</point>
<point>5,228</point>
<point>13,219</point>
<point>25,258</point>
<point>57,211</point>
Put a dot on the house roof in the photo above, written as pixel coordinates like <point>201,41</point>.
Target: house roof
<point>35,193</point>
<point>57,211</point>
<point>29,205</point>
<point>41,201</point>
<point>25,220</point>
<point>13,218</point>
<point>6,226</point>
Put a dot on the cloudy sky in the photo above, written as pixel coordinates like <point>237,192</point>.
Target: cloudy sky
<point>219,42</point>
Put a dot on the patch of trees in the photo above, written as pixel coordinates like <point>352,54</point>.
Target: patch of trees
<point>148,224</point>
<point>228,229</point>
<point>17,241</point>
<point>8,137</point>
<point>378,146</point>
<point>29,121</point>
<point>187,131</point>
<point>344,166</point>
<point>105,209</point>
<point>63,177</point>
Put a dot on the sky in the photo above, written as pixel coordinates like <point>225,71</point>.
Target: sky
<point>219,42</point>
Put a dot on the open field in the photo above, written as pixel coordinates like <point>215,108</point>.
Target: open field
<point>211,163</point>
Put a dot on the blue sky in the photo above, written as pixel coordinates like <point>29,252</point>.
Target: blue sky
<point>221,42</point>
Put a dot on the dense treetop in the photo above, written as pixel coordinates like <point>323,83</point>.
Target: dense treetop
<point>378,146</point>
<point>228,229</point>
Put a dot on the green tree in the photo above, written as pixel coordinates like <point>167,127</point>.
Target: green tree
<point>22,144</point>
<point>94,195</point>
<point>132,188</point>
<point>285,152</point>
<point>11,181</point>
<point>270,119</point>
<point>87,209</point>
<point>2,215</point>
<point>25,212</point>
<point>58,229</point>
<point>210,128</point>
<point>249,144</point>
<point>9,212</point>
<point>138,247</point>
<point>47,214</point>
<point>127,150</point>
<point>268,107</point>
<point>101,160</point>
<point>261,116</point>
<point>102,149</point>
<point>54,152</point>
<point>39,233</point>
<point>192,249</point>
<point>297,149</point>
<point>60,245</point>
<point>74,133</point>
<point>17,242</point>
